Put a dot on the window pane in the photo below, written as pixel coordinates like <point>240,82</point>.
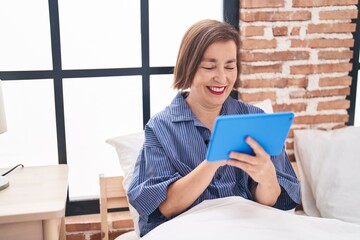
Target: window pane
<point>161,92</point>
<point>97,109</point>
<point>31,129</point>
<point>25,35</point>
<point>95,34</point>
<point>168,22</point>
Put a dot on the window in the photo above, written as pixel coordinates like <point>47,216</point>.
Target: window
<point>77,73</point>
<point>30,114</point>
<point>98,34</point>
<point>29,103</point>
<point>97,109</point>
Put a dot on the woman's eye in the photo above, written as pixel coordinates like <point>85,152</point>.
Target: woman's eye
<point>230,68</point>
<point>208,68</point>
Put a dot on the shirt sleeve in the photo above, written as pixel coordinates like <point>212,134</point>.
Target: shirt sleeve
<point>290,186</point>
<point>152,175</point>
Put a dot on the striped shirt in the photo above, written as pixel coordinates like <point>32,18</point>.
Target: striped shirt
<point>175,144</point>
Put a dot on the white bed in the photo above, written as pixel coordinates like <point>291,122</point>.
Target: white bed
<point>237,218</point>
<point>329,165</point>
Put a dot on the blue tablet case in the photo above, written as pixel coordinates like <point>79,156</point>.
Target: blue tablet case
<point>270,130</point>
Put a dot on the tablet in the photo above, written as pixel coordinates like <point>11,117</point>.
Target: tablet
<point>270,130</point>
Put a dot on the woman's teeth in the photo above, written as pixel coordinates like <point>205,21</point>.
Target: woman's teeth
<point>217,89</point>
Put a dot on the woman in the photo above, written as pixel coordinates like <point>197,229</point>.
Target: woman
<point>171,174</point>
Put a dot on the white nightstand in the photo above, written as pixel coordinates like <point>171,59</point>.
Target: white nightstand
<point>33,206</point>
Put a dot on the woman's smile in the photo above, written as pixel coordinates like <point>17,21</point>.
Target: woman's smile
<point>216,90</point>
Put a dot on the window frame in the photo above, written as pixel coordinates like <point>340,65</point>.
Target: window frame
<point>57,74</point>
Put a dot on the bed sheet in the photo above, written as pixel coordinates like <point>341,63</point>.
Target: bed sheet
<point>238,218</point>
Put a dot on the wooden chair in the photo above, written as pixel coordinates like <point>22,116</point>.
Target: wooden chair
<point>112,196</point>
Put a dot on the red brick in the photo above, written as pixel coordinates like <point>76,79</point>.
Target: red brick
<point>292,159</point>
<point>123,224</point>
<point>263,83</point>
<point>317,119</point>
<point>257,97</point>
<point>97,236</point>
<point>258,44</point>
<point>274,56</point>
<point>335,81</point>
<point>114,234</point>
<point>251,69</point>
<point>273,83</point>
<point>320,68</point>
<point>289,145</point>
<point>80,227</point>
<point>322,43</point>
<point>321,3</point>
<point>295,31</point>
<point>275,16</point>
<point>301,93</point>
<point>262,4</point>
<point>336,104</point>
<point>280,31</point>
<point>295,107</point>
<point>332,28</point>
<point>338,14</point>
<point>329,55</point>
<point>297,82</point>
<point>75,236</point>
<point>250,31</point>
<point>320,93</point>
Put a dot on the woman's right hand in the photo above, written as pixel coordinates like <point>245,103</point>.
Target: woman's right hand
<point>183,192</point>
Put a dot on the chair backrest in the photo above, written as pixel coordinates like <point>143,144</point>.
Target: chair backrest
<point>112,196</point>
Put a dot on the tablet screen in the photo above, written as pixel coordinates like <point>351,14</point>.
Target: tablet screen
<point>270,130</point>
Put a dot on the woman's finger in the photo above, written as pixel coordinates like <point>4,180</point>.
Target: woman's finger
<point>242,157</point>
<point>246,167</point>
<point>257,148</point>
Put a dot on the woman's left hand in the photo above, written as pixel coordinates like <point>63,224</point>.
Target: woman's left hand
<point>261,169</point>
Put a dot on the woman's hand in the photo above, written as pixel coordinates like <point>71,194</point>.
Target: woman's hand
<point>183,192</point>
<point>261,169</point>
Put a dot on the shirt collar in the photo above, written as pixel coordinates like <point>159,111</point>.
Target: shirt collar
<point>229,106</point>
<point>180,110</point>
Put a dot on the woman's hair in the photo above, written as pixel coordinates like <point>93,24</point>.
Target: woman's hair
<point>193,46</point>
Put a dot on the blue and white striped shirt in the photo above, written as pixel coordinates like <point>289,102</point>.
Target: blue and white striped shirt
<point>175,144</point>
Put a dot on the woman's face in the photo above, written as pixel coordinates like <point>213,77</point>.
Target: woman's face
<point>215,76</point>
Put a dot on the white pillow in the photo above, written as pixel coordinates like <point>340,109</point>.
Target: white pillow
<point>329,164</point>
<point>128,148</point>
<point>265,105</point>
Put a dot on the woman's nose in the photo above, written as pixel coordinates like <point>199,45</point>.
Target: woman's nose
<point>221,76</point>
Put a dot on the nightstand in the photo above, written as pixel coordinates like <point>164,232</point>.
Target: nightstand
<point>33,206</point>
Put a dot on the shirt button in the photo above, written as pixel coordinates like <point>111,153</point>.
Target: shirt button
<point>218,177</point>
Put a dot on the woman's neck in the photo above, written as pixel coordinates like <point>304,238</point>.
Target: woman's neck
<point>205,114</point>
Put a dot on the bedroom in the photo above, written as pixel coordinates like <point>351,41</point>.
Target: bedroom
<point>71,86</point>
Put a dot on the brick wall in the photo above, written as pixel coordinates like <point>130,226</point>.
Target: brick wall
<point>88,227</point>
<point>297,53</point>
